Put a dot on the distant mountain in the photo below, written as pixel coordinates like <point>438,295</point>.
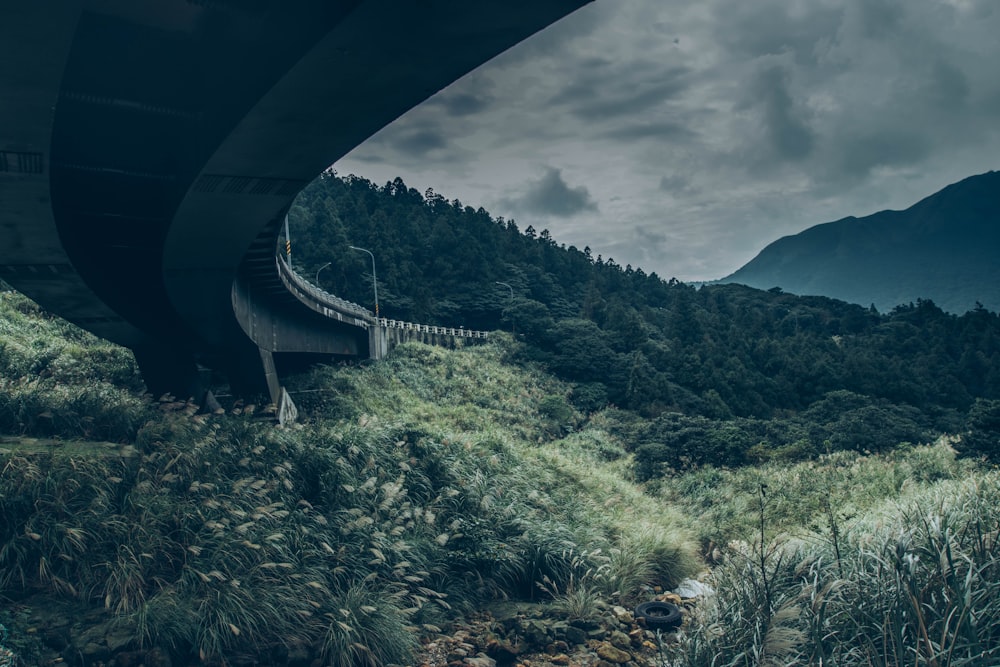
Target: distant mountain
<point>945,248</point>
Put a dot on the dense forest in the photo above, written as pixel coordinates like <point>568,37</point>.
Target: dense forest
<point>805,374</point>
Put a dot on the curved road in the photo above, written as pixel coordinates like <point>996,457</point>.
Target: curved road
<point>150,148</point>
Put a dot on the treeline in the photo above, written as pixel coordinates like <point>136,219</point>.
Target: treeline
<point>633,339</point>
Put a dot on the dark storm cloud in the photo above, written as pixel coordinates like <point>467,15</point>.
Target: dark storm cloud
<point>551,195</point>
<point>605,92</point>
<point>773,28</point>
<point>789,135</point>
<point>870,148</point>
<point>464,104</point>
<point>947,86</point>
<point>419,142</point>
<point>656,129</point>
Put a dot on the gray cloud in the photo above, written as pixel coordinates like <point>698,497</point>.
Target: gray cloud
<point>677,184</point>
<point>707,130</point>
<point>880,18</point>
<point>552,196</point>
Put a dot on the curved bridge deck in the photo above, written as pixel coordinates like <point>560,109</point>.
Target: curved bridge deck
<point>149,151</point>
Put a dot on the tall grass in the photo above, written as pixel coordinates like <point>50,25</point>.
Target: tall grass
<point>417,489</point>
<point>57,380</point>
<point>805,496</point>
<point>917,583</point>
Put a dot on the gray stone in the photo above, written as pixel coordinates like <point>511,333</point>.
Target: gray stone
<point>481,660</point>
<point>620,640</point>
<point>575,636</point>
<point>615,655</point>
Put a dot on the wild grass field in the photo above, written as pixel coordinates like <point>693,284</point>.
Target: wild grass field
<point>424,488</point>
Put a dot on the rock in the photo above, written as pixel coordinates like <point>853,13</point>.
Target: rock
<point>502,650</point>
<point>612,654</point>
<point>157,657</point>
<point>622,615</point>
<point>620,640</point>
<point>129,659</point>
<point>575,636</point>
<point>558,629</point>
<point>559,646</point>
<point>56,638</point>
<point>596,633</point>
<point>692,588</point>
<point>481,660</point>
<point>94,652</point>
<point>536,632</point>
<point>118,639</point>
<point>559,659</point>
<point>585,623</point>
<point>636,636</point>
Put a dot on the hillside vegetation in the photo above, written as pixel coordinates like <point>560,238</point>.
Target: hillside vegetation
<point>632,339</point>
<point>431,485</point>
<point>422,488</point>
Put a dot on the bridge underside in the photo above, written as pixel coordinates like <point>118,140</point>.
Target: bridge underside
<point>150,149</point>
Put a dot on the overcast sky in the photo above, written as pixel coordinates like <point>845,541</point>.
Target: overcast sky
<point>684,136</point>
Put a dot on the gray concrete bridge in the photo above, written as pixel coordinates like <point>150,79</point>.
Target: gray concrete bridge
<point>149,150</point>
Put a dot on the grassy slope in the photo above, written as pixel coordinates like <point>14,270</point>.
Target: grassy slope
<point>422,487</point>
<point>435,481</point>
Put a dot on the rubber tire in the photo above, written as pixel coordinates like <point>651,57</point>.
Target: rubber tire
<point>659,615</point>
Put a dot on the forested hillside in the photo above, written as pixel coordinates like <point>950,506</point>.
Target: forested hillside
<point>636,340</point>
<point>944,247</point>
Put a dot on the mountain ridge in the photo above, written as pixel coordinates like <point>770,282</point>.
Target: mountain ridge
<point>943,248</point>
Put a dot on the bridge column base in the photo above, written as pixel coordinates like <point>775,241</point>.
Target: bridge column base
<point>170,371</point>
<point>287,412</point>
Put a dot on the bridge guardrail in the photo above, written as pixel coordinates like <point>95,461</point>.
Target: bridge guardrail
<point>321,296</point>
<point>332,302</point>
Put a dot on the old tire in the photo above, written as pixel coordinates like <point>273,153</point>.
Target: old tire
<point>659,615</point>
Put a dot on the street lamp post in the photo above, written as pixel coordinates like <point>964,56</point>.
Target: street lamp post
<point>320,269</point>
<point>374,279</point>
<point>511,302</point>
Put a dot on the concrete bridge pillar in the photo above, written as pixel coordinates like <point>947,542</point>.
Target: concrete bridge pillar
<point>378,341</point>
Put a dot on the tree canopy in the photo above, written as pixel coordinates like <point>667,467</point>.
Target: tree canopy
<point>634,339</point>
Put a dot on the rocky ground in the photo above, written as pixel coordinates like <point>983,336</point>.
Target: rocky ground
<point>51,632</point>
<point>528,636</point>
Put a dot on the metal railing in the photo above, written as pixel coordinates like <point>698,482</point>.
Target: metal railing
<point>321,296</point>
<point>324,302</point>
<point>428,328</point>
